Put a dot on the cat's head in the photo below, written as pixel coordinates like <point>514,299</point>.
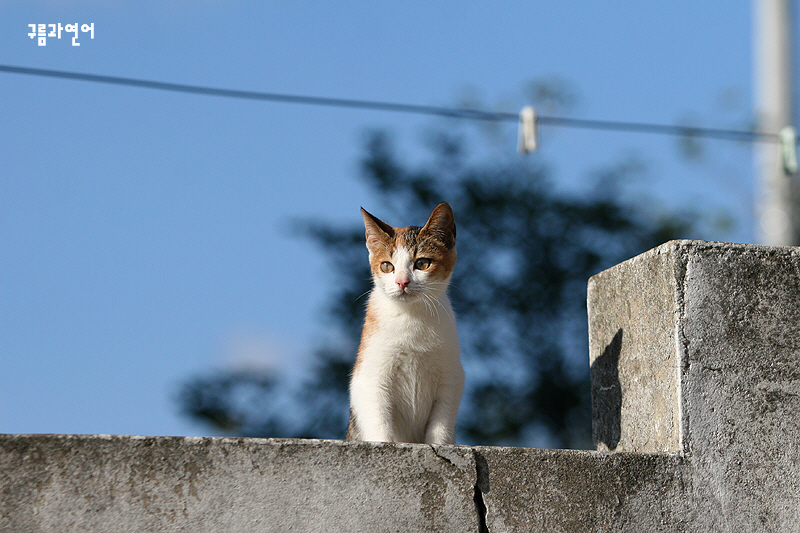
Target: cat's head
<point>412,263</point>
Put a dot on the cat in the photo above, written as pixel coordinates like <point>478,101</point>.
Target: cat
<point>407,381</point>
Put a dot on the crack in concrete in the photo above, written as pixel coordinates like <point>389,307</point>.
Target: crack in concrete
<point>480,507</point>
<point>481,486</point>
<point>442,457</point>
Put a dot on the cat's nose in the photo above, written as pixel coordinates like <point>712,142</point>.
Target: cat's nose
<point>403,282</point>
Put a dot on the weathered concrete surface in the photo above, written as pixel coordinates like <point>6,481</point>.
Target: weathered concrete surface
<point>578,491</point>
<point>728,344</point>
<point>64,483</point>
<point>633,311</point>
<point>60,483</point>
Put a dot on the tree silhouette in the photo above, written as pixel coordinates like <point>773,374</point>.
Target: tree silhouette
<point>525,254</point>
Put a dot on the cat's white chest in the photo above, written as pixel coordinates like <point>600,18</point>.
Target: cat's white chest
<point>409,376</point>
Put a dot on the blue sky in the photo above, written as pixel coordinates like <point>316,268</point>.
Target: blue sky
<point>145,236</point>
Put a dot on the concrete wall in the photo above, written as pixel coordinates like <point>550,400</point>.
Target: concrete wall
<point>64,483</point>
<point>111,483</point>
<point>695,361</point>
<point>695,350</point>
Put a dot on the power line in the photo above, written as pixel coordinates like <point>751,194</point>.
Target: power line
<point>664,129</point>
<point>461,113</point>
<point>271,97</point>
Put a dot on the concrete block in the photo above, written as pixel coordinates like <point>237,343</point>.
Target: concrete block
<point>65,483</point>
<point>577,491</point>
<point>635,366</point>
<point>718,379</point>
<point>59,483</point>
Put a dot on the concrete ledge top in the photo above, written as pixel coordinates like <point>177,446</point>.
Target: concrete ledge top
<point>133,483</point>
<point>688,247</point>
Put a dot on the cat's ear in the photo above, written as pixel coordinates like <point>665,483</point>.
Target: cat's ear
<point>442,225</point>
<point>377,232</point>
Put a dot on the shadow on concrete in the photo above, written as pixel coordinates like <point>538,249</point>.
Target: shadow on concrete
<point>607,396</point>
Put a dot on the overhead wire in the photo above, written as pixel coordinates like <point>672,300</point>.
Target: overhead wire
<point>460,113</point>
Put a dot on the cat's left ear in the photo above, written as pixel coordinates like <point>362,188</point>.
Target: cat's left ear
<point>377,231</point>
<point>442,225</point>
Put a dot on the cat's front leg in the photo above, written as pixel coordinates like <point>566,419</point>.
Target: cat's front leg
<point>371,413</point>
<point>441,428</point>
<point>374,427</point>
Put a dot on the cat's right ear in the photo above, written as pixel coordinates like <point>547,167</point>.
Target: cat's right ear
<point>377,231</point>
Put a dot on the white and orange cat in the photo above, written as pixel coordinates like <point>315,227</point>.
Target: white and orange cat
<point>407,380</point>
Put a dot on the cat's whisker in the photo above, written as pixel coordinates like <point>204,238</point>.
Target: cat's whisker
<point>456,287</point>
<point>440,305</point>
<point>430,305</point>
<point>362,295</point>
<point>437,306</point>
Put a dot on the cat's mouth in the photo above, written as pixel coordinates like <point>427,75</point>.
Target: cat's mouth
<point>404,293</point>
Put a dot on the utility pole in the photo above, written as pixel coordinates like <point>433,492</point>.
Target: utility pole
<point>778,217</point>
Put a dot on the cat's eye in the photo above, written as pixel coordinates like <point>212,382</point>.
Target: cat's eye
<point>387,267</point>
<point>422,264</point>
